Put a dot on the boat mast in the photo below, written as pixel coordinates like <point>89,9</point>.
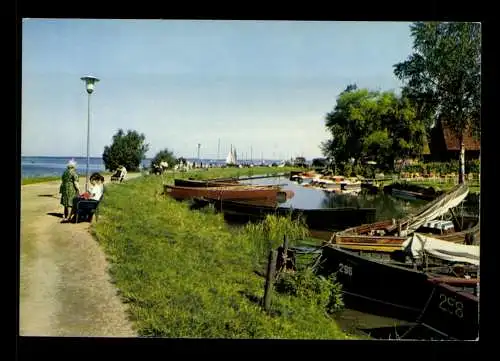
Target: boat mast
<point>218,150</point>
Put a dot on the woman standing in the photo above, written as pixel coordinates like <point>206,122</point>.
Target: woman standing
<point>69,188</point>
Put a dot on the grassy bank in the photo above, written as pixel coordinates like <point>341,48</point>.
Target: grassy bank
<point>197,174</point>
<point>186,274</point>
<point>230,172</point>
<point>34,180</point>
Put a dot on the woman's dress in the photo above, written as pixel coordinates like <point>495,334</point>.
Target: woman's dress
<point>67,189</point>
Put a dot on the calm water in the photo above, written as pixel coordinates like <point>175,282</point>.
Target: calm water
<point>306,198</point>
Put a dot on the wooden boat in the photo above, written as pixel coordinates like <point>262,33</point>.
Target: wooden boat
<point>205,183</point>
<point>327,219</point>
<point>410,191</point>
<point>239,192</point>
<point>447,304</point>
<point>299,177</point>
<point>389,235</point>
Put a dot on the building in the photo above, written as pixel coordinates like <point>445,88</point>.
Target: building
<point>445,145</point>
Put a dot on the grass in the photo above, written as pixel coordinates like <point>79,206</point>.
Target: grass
<point>230,172</point>
<point>186,274</point>
<point>34,180</point>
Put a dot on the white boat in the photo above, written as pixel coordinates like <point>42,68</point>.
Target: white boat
<point>231,157</point>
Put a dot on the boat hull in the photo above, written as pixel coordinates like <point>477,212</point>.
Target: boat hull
<point>403,293</point>
<point>318,219</point>
<point>202,183</point>
<point>241,192</point>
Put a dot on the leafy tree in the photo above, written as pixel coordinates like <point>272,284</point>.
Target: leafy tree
<point>372,125</point>
<point>127,149</point>
<point>164,155</point>
<point>443,75</point>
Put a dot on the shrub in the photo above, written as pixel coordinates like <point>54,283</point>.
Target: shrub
<point>452,166</point>
<point>316,290</point>
<point>269,234</point>
<point>164,155</point>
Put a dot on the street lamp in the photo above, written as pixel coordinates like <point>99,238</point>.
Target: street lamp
<point>89,84</point>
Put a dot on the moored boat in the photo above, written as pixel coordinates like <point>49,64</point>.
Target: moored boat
<point>325,219</point>
<point>391,287</point>
<point>390,235</point>
<point>410,191</point>
<point>239,192</point>
<point>205,183</point>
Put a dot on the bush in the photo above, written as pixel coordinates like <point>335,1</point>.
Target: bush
<point>472,166</point>
<point>452,166</point>
<point>164,155</point>
<point>318,291</point>
<point>127,150</point>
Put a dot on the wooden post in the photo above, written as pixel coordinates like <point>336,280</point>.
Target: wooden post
<point>285,244</point>
<point>271,267</point>
<point>282,255</point>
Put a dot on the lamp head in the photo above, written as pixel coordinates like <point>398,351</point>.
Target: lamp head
<point>90,82</point>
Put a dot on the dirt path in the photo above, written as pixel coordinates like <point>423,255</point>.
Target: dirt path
<point>65,289</point>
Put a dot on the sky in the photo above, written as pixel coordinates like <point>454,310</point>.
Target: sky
<point>263,86</point>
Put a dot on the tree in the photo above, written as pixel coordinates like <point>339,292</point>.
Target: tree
<point>164,155</point>
<point>368,125</point>
<point>443,76</point>
<point>128,150</point>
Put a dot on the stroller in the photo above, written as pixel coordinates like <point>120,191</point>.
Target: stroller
<point>119,175</point>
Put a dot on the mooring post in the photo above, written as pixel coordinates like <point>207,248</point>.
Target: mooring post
<point>285,250</point>
<point>271,267</point>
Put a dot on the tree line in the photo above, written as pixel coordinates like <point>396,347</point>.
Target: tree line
<point>129,149</point>
<point>441,82</point>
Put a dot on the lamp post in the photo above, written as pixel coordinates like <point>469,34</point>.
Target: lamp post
<point>199,160</point>
<point>89,84</point>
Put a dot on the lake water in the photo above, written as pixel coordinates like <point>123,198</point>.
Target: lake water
<point>307,198</point>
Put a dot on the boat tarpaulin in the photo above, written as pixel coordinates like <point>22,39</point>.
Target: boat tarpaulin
<point>418,244</point>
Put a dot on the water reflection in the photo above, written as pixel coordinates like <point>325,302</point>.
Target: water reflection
<point>308,198</point>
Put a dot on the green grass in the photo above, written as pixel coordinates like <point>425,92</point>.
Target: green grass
<point>186,274</point>
<point>231,172</point>
<point>34,180</point>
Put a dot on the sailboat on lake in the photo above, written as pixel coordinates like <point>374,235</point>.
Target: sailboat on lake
<point>231,157</point>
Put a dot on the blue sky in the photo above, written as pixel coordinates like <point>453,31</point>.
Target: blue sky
<point>260,85</point>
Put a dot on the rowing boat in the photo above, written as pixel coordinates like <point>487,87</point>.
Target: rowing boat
<point>236,192</point>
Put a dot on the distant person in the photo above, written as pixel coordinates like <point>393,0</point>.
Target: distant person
<point>94,193</point>
<point>163,166</point>
<point>69,188</point>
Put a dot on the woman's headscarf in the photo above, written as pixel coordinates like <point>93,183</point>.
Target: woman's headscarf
<point>71,164</point>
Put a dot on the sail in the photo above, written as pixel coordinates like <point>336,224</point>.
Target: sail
<point>419,245</point>
<point>436,208</point>
<point>231,159</point>
<point>234,156</point>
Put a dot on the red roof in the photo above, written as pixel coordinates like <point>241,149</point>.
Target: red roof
<point>453,143</point>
